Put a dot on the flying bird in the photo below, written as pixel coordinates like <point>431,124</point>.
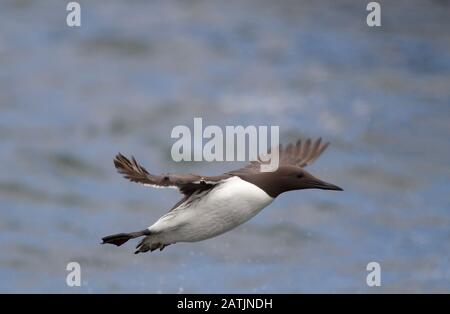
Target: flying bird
<point>212,205</point>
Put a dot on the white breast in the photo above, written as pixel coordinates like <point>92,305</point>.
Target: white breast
<point>237,198</point>
<point>228,205</point>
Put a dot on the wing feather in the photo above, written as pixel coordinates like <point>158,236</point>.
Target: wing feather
<point>300,154</point>
<point>186,183</point>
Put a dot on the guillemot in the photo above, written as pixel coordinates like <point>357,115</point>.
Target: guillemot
<point>212,205</point>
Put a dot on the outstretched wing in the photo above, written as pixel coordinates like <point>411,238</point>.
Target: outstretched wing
<point>300,154</point>
<point>186,183</point>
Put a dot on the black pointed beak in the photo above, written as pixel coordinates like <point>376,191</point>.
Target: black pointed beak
<point>319,184</point>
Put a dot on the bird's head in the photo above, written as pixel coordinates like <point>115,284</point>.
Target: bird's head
<point>289,178</point>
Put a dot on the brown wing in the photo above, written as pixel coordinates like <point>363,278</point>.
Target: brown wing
<point>186,183</point>
<point>300,154</point>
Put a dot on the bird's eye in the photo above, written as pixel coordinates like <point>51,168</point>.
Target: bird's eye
<point>300,175</point>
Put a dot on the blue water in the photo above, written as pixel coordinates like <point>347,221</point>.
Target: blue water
<point>71,98</point>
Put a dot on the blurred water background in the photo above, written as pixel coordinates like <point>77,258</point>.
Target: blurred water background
<point>71,98</point>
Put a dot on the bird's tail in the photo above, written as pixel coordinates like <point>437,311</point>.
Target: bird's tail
<point>120,238</point>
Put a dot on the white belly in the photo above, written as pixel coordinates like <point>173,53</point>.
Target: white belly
<point>228,205</point>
